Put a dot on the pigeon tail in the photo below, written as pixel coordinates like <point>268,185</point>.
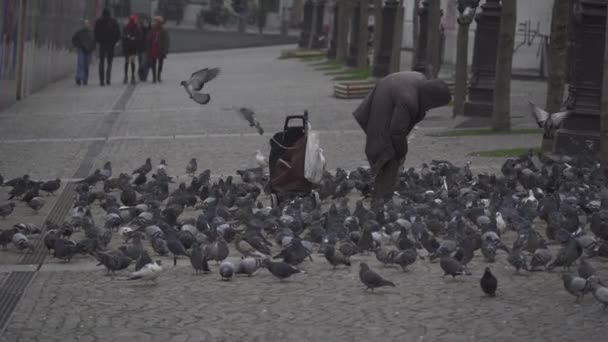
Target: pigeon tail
<point>387,283</point>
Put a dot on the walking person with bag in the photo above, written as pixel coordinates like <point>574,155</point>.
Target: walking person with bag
<point>158,49</point>
<point>131,40</point>
<point>107,34</point>
<point>84,42</point>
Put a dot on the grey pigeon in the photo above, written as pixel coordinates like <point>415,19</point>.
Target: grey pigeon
<point>541,257</point>
<point>106,171</point>
<point>247,266</point>
<point>191,167</point>
<point>6,236</point>
<point>226,270</point>
<point>386,255</point>
<point>36,203</point>
<point>249,115</point>
<point>197,259</point>
<point>22,242</point>
<point>567,255</point>
<point>142,260</point>
<point>51,186</point>
<point>405,258</point>
<point>176,248</point>
<point>113,261</point>
<point>585,270</point>
<point>488,283</point>
<point>144,169</point>
<point>335,257</point>
<point>218,250</point>
<point>576,286</point>
<point>548,122</point>
<point>159,245</point>
<point>280,269</point>
<point>196,83</point>
<point>6,209</point>
<point>453,267</point>
<point>517,260</point>
<point>295,253</point>
<point>63,249</point>
<point>371,279</point>
<point>600,293</point>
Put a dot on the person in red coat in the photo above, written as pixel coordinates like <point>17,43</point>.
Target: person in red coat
<point>158,45</point>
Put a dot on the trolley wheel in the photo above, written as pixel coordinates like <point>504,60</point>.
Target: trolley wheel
<point>274,201</point>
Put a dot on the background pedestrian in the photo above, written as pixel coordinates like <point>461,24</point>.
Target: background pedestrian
<point>84,42</point>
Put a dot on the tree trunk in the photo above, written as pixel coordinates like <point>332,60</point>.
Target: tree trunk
<point>501,119</point>
<point>604,118</point>
<point>377,28</point>
<point>397,39</point>
<point>558,46</point>
<point>313,26</point>
<point>415,31</point>
<point>433,57</point>
<point>461,77</point>
<point>342,44</point>
<point>363,55</point>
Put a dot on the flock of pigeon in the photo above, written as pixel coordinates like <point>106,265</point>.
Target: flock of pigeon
<point>439,213</point>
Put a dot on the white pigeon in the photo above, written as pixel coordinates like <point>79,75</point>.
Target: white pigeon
<point>259,157</point>
<point>150,271</point>
<point>548,122</point>
<point>197,81</point>
<point>500,222</point>
<point>531,198</point>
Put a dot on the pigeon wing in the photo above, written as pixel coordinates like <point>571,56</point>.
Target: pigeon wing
<point>199,78</point>
<point>558,118</point>
<point>539,114</point>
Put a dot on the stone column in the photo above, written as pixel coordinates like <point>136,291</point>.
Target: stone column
<point>483,68</point>
<point>382,62</point>
<point>306,24</point>
<point>353,46</point>
<point>580,132</point>
<point>333,42</point>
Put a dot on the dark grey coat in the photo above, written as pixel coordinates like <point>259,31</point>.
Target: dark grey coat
<point>387,115</point>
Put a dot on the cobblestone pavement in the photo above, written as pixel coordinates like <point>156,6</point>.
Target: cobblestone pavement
<point>50,134</point>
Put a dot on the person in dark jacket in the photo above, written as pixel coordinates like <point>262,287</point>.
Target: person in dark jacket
<point>158,42</point>
<point>131,42</point>
<point>388,114</point>
<point>84,42</point>
<point>143,59</point>
<point>107,34</point>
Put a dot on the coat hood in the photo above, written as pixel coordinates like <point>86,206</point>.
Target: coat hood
<point>433,94</point>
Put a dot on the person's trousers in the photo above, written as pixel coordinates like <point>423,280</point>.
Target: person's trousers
<point>106,55</point>
<point>157,68</point>
<point>130,60</point>
<point>82,69</point>
<point>386,179</point>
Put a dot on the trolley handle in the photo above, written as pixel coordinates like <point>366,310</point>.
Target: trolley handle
<point>304,119</point>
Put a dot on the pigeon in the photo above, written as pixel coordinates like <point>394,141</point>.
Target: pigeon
<point>21,242</point>
<point>548,122</point>
<point>144,169</point>
<point>106,171</point>
<point>247,266</point>
<point>371,279</point>
<point>385,255</point>
<point>517,260</point>
<point>335,257</point>
<point>585,270</point>
<point>6,209</point>
<point>260,159</point>
<point>142,260</point>
<point>113,261</point>
<point>567,255</point>
<point>600,293</point>
<point>51,186</point>
<point>63,249</point>
<point>280,269</point>
<point>36,203</point>
<point>197,259</point>
<point>453,267</point>
<point>150,272</point>
<point>576,286</point>
<point>488,283</point>
<point>405,258</point>
<point>246,249</point>
<point>196,83</point>
<point>249,115</point>
<point>540,258</point>
<point>226,270</point>
<point>191,167</point>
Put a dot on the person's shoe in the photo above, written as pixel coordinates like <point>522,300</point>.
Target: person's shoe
<point>77,82</point>
<point>154,80</point>
<point>159,79</point>
<point>126,80</point>
<point>84,82</point>
<point>133,80</point>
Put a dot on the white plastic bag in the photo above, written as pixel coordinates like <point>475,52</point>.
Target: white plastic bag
<point>314,162</point>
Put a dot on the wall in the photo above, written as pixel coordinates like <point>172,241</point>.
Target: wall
<point>46,35</point>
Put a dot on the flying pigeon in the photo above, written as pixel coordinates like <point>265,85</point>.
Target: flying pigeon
<point>249,115</point>
<point>548,122</point>
<point>197,81</point>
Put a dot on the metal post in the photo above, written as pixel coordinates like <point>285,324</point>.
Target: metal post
<point>306,24</point>
<point>421,63</point>
<point>318,29</point>
<point>483,69</point>
<point>353,48</point>
<point>382,60</point>
<point>580,132</point>
<point>333,43</point>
